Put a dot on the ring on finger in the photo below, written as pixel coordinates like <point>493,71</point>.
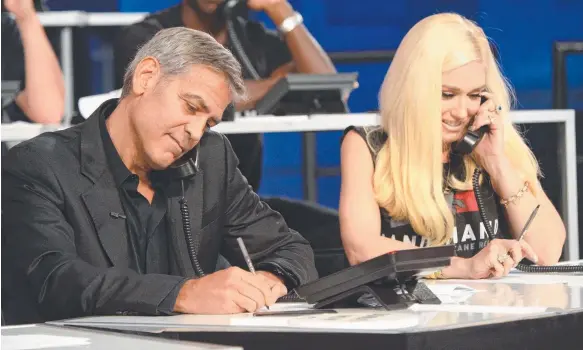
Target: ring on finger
<point>502,258</point>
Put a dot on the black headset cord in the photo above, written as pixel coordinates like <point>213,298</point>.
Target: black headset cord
<point>491,235</point>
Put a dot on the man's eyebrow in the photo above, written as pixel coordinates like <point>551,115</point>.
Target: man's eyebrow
<point>193,98</point>
<point>456,89</point>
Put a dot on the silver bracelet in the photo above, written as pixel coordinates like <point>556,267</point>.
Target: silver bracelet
<point>291,23</point>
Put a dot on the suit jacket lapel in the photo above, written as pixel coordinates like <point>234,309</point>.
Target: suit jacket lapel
<point>193,193</point>
<point>103,197</point>
<point>101,200</point>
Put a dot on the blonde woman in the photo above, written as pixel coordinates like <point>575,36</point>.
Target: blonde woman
<point>403,187</point>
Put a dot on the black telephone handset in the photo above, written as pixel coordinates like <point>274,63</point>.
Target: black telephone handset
<point>471,139</point>
<point>466,146</point>
<point>185,167</point>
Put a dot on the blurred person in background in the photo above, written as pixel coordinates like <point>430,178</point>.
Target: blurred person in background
<point>403,184</point>
<point>27,57</point>
<point>273,55</point>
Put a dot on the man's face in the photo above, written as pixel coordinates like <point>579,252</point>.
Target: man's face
<point>170,115</point>
<point>208,7</point>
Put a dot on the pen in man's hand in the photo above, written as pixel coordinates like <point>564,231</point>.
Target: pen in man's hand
<point>247,258</point>
<point>525,228</point>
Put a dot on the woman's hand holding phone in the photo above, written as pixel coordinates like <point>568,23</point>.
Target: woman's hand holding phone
<point>490,151</point>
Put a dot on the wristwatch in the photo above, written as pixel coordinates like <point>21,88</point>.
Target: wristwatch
<point>291,23</point>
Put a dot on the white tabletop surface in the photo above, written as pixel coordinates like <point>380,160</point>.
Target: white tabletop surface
<point>50,337</point>
<point>464,303</point>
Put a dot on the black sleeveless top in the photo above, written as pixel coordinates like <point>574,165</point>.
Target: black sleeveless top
<point>469,234</point>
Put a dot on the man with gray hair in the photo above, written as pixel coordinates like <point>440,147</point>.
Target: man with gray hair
<point>128,212</point>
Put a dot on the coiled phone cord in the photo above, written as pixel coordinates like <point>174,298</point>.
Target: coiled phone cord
<point>491,235</point>
<point>236,42</point>
<point>191,244</point>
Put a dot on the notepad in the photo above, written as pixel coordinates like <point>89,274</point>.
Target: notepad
<point>40,341</point>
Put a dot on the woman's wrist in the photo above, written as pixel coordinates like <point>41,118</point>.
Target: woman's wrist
<point>505,181</point>
<point>458,268</point>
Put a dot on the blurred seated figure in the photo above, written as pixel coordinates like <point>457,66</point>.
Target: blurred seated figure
<point>29,60</point>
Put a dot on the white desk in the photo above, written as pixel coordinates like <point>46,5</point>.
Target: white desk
<point>51,337</point>
<point>332,122</point>
<point>467,308</point>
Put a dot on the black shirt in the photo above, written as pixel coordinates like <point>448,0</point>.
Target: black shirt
<point>12,68</point>
<point>469,234</point>
<point>266,50</point>
<point>148,245</point>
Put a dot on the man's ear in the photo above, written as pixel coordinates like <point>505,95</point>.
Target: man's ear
<point>146,75</point>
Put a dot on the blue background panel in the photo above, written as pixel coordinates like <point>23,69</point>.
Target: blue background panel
<point>524,31</point>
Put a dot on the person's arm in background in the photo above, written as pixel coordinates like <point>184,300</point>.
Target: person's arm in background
<point>360,218</point>
<point>300,53</point>
<point>43,98</point>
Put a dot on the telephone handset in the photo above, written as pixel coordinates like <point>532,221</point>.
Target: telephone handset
<point>185,167</point>
<point>466,146</point>
<point>472,138</point>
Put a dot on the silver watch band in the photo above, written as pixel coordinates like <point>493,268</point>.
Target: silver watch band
<point>291,23</point>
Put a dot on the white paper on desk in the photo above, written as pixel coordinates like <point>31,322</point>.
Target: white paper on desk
<point>40,341</point>
<point>373,320</point>
<point>289,307</point>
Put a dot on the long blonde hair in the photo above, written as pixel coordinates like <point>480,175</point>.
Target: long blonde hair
<point>408,177</point>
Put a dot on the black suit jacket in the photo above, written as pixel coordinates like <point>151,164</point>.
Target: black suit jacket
<point>64,255</point>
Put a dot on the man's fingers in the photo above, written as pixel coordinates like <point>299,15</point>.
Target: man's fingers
<point>277,291</point>
<point>244,302</point>
<point>261,283</point>
<point>250,291</point>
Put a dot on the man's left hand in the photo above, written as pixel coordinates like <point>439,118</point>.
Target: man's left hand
<point>277,287</point>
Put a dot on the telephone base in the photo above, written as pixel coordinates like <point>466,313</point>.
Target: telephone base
<point>389,296</point>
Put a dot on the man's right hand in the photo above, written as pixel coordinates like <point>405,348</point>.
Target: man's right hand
<point>228,291</point>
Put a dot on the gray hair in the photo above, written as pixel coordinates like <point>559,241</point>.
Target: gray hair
<point>177,49</point>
